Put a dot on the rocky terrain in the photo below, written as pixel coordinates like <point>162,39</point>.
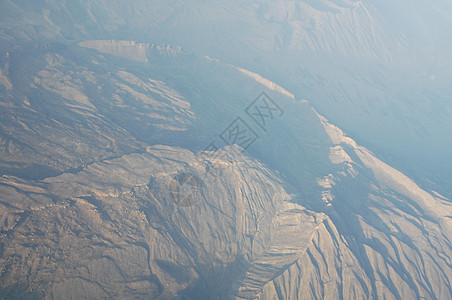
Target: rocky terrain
<point>138,169</point>
<point>368,66</point>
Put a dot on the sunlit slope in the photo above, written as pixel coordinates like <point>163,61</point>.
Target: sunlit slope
<point>378,69</point>
<point>303,212</point>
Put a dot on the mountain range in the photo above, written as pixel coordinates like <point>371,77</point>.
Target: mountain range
<point>165,150</point>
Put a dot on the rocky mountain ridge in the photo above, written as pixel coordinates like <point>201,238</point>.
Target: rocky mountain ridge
<point>119,174</point>
<point>333,221</point>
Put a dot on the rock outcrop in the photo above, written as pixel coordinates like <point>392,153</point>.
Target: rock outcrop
<point>132,50</point>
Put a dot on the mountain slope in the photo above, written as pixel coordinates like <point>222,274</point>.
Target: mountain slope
<point>304,212</point>
<point>379,70</point>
